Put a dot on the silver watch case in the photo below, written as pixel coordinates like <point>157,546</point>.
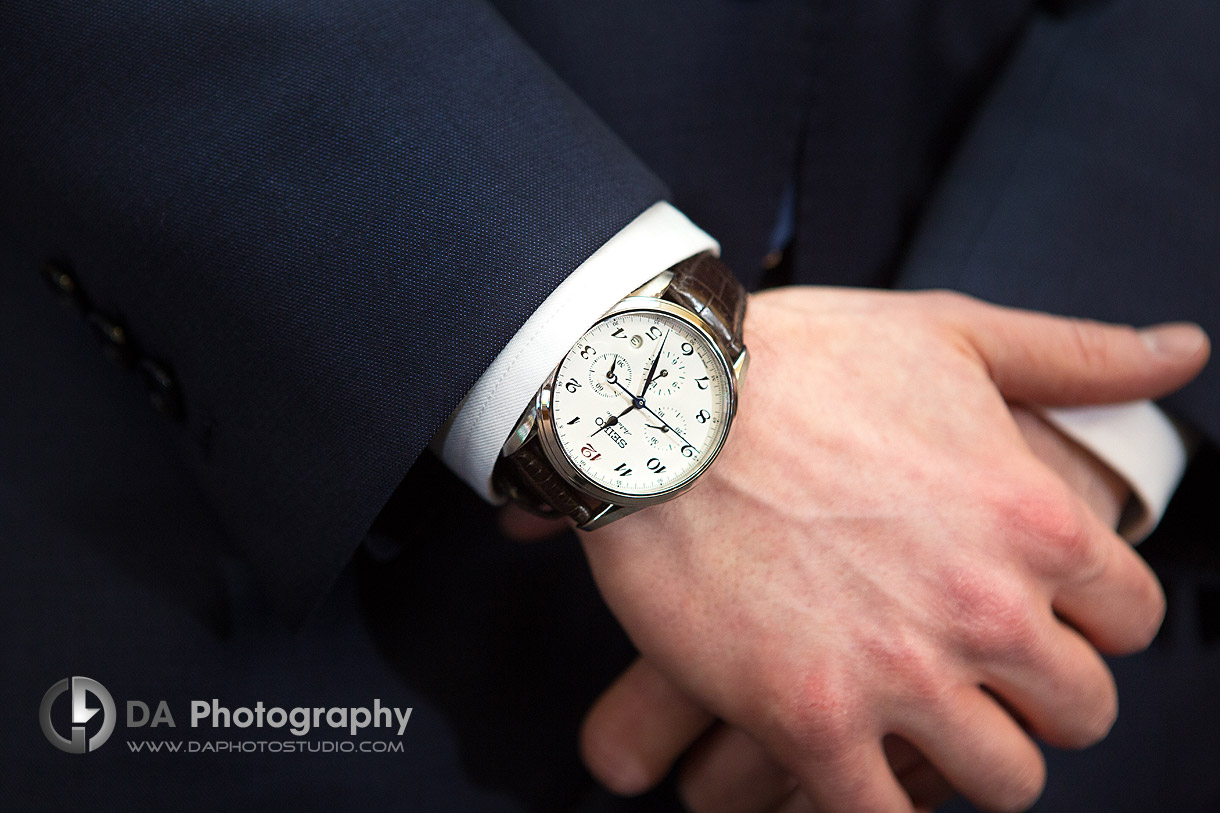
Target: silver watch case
<point>539,419</point>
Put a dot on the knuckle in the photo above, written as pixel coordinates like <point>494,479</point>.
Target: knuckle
<point>944,297</point>
<point>817,717</point>
<point>1073,549</point>
<point>1090,343</point>
<point>1060,539</point>
<point>993,617</point>
<point>948,303</point>
<point>922,677</point>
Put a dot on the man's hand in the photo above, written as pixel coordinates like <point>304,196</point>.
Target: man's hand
<point>879,554</point>
<point>641,726</point>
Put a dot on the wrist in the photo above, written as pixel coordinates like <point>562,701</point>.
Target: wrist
<point>640,405</point>
<point>471,441</point>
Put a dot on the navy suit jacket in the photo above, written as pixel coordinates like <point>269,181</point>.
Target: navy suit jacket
<point>306,228</point>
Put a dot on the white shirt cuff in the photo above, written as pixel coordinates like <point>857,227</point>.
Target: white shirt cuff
<point>1139,442</point>
<point>660,237</point>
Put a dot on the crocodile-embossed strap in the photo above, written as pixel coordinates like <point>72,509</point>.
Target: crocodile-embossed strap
<point>706,286</point>
<point>701,284</point>
<point>529,479</point>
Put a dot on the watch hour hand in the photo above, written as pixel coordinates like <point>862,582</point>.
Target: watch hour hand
<point>612,420</point>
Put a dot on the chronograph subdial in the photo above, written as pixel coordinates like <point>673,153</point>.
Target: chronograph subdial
<point>665,431</point>
<point>609,374</point>
<point>671,375</point>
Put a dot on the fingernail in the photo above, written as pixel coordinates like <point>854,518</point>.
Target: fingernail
<point>1178,340</point>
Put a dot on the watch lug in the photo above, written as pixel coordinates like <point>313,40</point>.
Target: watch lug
<point>655,287</point>
<point>741,365</point>
<point>609,514</point>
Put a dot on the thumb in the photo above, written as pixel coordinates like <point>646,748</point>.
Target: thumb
<point>638,728</point>
<point>1057,361</point>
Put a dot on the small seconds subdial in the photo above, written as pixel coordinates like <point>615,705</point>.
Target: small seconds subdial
<point>607,373</point>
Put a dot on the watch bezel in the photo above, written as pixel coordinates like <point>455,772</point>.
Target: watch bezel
<point>545,419</point>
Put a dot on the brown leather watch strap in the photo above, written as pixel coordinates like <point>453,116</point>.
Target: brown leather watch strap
<point>707,287</point>
<point>529,479</point>
<point>701,284</point>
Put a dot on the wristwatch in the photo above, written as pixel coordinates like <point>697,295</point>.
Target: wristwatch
<point>639,407</point>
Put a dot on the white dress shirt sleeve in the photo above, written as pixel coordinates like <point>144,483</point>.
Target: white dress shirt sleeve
<point>1137,440</point>
<point>660,237</point>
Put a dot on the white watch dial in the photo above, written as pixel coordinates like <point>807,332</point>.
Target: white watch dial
<point>642,403</point>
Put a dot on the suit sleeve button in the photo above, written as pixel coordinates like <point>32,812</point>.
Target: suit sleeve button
<point>63,284</point>
<point>116,344</point>
<point>163,390</point>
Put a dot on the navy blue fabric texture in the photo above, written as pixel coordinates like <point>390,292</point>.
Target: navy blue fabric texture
<point>884,116</point>
<point>326,218</point>
<point>694,87</point>
<point>1090,186</point>
<point>329,217</point>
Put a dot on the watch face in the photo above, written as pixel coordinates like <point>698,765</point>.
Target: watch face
<point>642,403</point>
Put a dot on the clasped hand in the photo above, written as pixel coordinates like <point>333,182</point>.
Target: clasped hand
<point>879,585</point>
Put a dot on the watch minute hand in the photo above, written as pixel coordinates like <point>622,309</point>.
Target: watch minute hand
<point>619,384</point>
<point>652,370</point>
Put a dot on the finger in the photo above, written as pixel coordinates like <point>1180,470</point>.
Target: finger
<point>854,777</point>
<point>1106,590</point>
<point>1066,696</point>
<point>521,525</point>
<point>637,729</point>
<point>729,771</point>
<point>1101,487</point>
<point>798,802</point>
<point>979,749</point>
<point>1058,361</point>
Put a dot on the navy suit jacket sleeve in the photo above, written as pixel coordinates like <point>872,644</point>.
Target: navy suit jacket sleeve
<point>1090,184</point>
<point>325,218</point>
